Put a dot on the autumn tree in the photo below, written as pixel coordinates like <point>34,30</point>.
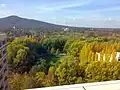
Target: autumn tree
<point>69,72</point>
<point>102,71</point>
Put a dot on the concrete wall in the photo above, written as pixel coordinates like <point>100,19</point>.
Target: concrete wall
<point>108,85</point>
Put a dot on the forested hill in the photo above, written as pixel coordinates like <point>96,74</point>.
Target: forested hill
<point>24,23</point>
<point>9,22</point>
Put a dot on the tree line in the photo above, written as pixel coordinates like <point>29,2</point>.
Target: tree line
<point>56,61</point>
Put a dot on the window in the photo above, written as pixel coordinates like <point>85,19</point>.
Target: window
<point>118,58</point>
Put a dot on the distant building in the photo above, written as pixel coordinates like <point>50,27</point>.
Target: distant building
<point>66,29</point>
<point>3,63</point>
<point>118,56</point>
<point>14,27</point>
<point>111,58</point>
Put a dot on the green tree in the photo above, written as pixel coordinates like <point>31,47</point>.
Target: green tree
<point>22,81</point>
<point>69,71</point>
<point>40,76</point>
<point>41,66</point>
<point>50,78</point>
<point>52,50</point>
<point>21,54</point>
<point>57,52</point>
<point>102,71</point>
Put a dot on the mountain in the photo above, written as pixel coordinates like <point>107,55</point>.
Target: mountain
<point>9,22</point>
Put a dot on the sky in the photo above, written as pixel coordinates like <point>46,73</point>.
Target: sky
<point>80,13</point>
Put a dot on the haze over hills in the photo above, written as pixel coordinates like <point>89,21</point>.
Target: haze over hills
<point>24,23</point>
<point>9,22</point>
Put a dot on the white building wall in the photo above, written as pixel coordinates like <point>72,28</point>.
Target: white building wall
<point>98,56</point>
<point>111,58</point>
<point>118,55</point>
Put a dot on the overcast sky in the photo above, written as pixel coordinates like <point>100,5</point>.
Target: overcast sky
<point>88,13</point>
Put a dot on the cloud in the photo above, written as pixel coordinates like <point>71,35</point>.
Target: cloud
<point>64,5</point>
<point>109,9</point>
<point>3,5</point>
<point>97,14</point>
